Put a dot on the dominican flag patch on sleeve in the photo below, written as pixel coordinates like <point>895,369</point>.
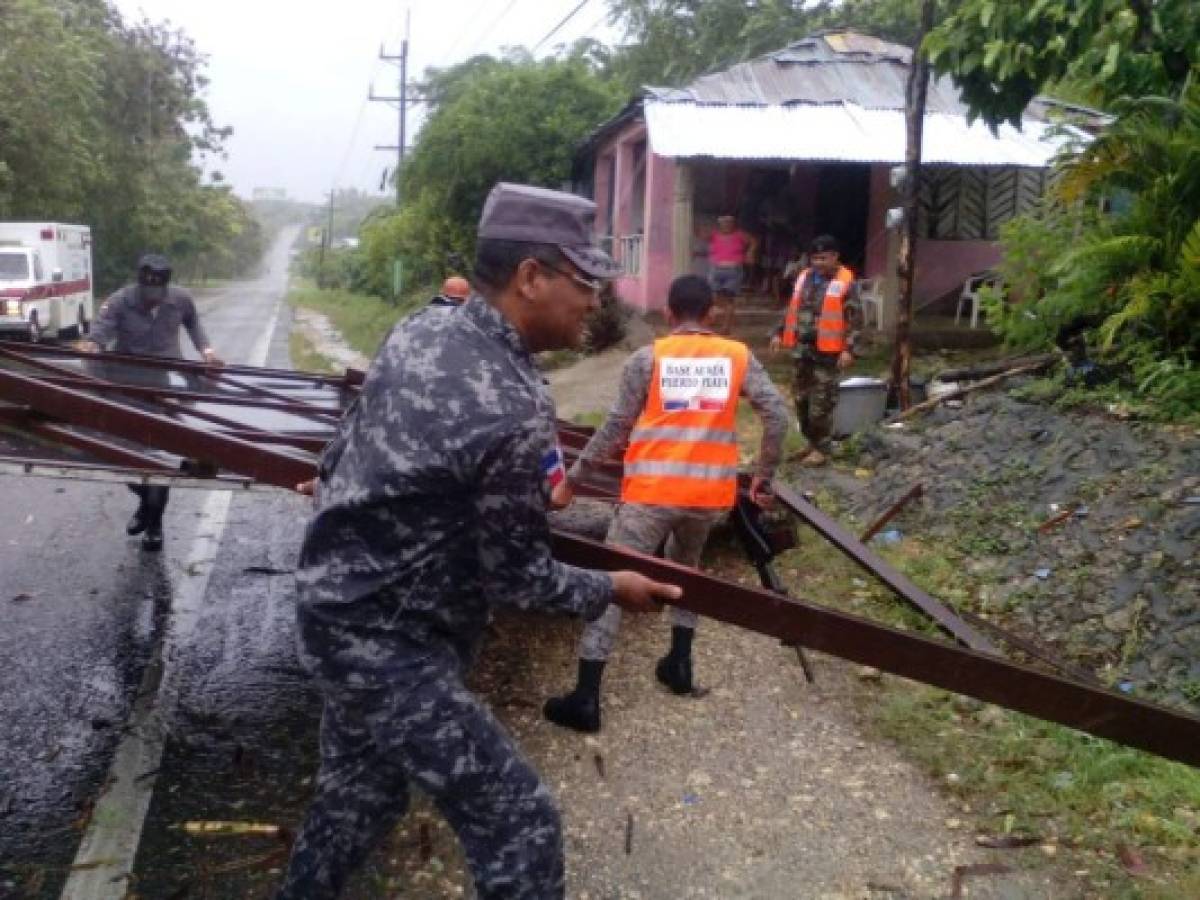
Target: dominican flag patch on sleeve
<point>553,468</point>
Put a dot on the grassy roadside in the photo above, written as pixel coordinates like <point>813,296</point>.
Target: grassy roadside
<point>1127,821</point>
<point>362,319</point>
<point>305,357</point>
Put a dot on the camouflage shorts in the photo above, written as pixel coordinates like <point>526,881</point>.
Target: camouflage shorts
<point>644,528</point>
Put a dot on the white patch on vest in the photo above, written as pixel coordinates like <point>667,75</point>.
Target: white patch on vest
<point>836,288</point>
<point>695,383</point>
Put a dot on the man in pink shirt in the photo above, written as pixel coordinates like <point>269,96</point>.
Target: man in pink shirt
<point>729,248</point>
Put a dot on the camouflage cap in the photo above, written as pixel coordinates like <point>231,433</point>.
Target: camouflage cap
<point>521,212</point>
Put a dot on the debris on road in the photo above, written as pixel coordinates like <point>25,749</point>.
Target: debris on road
<point>222,829</point>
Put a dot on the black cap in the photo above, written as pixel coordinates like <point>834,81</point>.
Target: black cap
<point>521,212</point>
<point>155,262</point>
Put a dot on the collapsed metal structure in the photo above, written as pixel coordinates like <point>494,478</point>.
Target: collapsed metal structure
<point>122,418</point>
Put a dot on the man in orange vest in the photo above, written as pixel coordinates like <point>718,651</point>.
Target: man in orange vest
<point>676,411</point>
<point>821,327</point>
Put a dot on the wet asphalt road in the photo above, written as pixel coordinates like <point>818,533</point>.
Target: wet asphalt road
<point>85,611</point>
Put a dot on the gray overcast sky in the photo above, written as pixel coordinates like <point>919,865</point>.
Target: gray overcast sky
<point>291,76</point>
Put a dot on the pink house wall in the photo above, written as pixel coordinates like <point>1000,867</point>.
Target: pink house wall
<point>943,266</point>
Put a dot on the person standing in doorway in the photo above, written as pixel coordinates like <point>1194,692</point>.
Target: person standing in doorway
<point>821,327</point>
<point>145,318</point>
<point>730,250</point>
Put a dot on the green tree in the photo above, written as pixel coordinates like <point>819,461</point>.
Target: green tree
<point>1002,54</point>
<point>498,120</point>
<point>104,123</point>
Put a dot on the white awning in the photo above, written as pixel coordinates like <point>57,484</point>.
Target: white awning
<point>844,133</point>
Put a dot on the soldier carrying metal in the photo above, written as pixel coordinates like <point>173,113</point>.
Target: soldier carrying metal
<point>145,318</point>
<point>431,509</point>
<point>821,327</point>
<point>677,409</point>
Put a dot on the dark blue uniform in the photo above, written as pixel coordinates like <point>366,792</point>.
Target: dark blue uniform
<point>431,509</point>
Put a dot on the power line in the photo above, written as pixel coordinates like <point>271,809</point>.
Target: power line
<point>458,37</point>
<point>553,31</point>
<point>492,24</point>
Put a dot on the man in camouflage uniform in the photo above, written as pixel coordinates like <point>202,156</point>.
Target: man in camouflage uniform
<point>145,318</point>
<point>431,508</point>
<point>819,357</point>
<point>684,520</point>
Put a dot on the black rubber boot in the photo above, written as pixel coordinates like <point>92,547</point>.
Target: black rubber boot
<point>675,669</point>
<point>154,503</point>
<point>580,709</point>
<point>152,540</point>
<point>137,522</point>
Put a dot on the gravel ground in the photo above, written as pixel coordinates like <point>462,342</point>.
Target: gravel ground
<point>764,787</point>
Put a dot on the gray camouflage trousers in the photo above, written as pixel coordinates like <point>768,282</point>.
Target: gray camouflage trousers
<point>815,388</point>
<point>643,528</point>
<point>433,733</point>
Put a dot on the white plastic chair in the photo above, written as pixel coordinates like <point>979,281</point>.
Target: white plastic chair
<point>871,295</point>
<point>970,294</point>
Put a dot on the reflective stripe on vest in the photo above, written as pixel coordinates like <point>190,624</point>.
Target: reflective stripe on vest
<point>681,470</point>
<point>831,322</point>
<point>691,435</point>
<point>683,450</point>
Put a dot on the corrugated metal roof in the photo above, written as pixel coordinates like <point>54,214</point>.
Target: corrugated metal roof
<point>843,132</point>
<point>831,67</point>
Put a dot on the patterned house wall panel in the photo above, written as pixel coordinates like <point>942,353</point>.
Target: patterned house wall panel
<point>971,204</point>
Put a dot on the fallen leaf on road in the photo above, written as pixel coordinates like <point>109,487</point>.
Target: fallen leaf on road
<point>1007,841</point>
<point>1132,860</point>
<point>22,598</point>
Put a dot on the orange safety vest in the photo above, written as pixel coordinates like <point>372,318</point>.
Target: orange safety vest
<point>683,450</point>
<point>831,324</point>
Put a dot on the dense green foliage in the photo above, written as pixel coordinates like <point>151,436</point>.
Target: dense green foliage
<point>1134,270</point>
<point>1002,54</point>
<point>102,122</point>
<point>1118,243</point>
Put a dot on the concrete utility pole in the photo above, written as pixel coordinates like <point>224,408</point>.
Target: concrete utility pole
<point>326,242</point>
<point>914,115</point>
<point>402,102</point>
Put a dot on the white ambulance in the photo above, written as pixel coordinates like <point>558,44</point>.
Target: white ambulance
<point>45,280</point>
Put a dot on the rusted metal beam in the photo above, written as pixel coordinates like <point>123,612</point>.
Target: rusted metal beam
<point>891,512</point>
<point>152,392</point>
<point>118,474</point>
<point>350,380</point>
<point>268,465</point>
<point>1096,711</point>
<point>256,390</point>
<point>833,532</point>
<point>29,422</point>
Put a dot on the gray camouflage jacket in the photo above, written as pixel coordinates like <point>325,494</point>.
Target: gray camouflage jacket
<point>432,504</point>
